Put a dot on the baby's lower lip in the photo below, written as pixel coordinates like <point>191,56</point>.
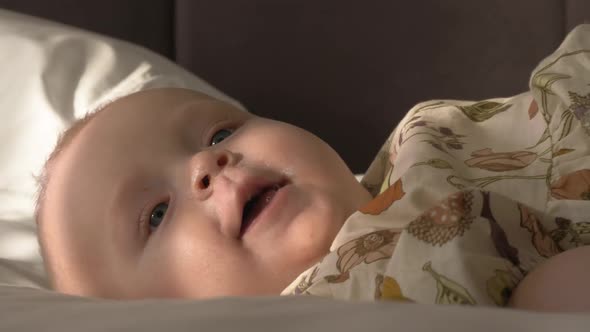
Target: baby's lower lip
<point>266,209</point>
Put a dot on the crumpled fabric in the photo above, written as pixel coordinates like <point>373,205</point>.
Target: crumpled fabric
<point>469,196</point>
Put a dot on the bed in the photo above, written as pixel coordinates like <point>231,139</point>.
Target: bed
<point>308,64</point>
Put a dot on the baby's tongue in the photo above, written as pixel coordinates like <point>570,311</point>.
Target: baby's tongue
<point>256,206</point>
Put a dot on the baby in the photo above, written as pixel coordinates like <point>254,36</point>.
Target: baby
<point>171,193</point>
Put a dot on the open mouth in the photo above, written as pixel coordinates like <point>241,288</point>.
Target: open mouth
<point>255,205</point>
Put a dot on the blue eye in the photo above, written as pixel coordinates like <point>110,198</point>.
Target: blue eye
<point>220,135</point>
<point>158,214</point>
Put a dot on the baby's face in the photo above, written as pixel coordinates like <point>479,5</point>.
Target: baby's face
<point>169,193</point>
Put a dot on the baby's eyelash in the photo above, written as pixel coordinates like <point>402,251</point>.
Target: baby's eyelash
<point>146,213</point>
<point>231,125</point>
<point>144,228</point>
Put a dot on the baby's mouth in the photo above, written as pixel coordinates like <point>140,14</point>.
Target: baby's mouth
<point>255,205</point>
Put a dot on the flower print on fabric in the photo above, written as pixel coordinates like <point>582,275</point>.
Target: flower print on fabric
<point>575,186</point>
<point>571,234</point>
<point>500,161</point>
<point>445,221</point>
<point>580,107</point>
<point>366,249</point>
<point>541,240</point>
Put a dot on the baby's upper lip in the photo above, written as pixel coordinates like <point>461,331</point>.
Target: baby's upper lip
<point>250,187</point>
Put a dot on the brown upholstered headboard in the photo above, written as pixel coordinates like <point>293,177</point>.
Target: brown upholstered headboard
<point>338,66</point>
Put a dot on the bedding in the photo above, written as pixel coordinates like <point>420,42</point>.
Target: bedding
<point>471,196</point>
<point>51,74</point>
<point>28,310</point>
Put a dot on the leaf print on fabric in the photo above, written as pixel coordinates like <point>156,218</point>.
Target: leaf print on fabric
<point>441,138</point>
<point>306,282</point>
<point>443,143</point>
<point>416,120</point>
<point>562,152</point>
<point>485,181</point>
<point>436,163</point>
<point>578,233</point>
<point>501,286</point>
<point>541,240</point>
<point>567,119</point>
<point>366,249</point>
<point>437,104</point>
<point>448,291</point>
<point>533,109</point>
<point>500,161</point>
<point>499,238</point>
<point>384,200</point>
<point>445,221</point>
<point>387,288</point>
<point>574,186</point>
<point>483,110</point>
<point>543,82</point>
<point>436,145</point>
<point>446,131</point>
<point>417,123</point>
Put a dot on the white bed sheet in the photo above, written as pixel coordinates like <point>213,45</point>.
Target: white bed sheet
<point>32,310</point>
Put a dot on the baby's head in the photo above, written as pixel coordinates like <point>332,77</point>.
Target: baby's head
<point>171,193</point>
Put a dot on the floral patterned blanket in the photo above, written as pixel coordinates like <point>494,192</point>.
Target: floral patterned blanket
<point>470,196</point>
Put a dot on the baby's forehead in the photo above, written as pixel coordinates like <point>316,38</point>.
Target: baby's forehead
<point>158,103</point>
<point>140,119</point>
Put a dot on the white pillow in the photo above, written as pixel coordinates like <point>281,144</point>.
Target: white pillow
<point>51,74</point>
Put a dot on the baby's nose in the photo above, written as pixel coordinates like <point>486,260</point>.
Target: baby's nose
<point>205,167</point>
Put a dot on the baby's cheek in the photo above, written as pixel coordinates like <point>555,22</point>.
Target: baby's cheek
<point>314,230</point>
<point>169,256</point>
